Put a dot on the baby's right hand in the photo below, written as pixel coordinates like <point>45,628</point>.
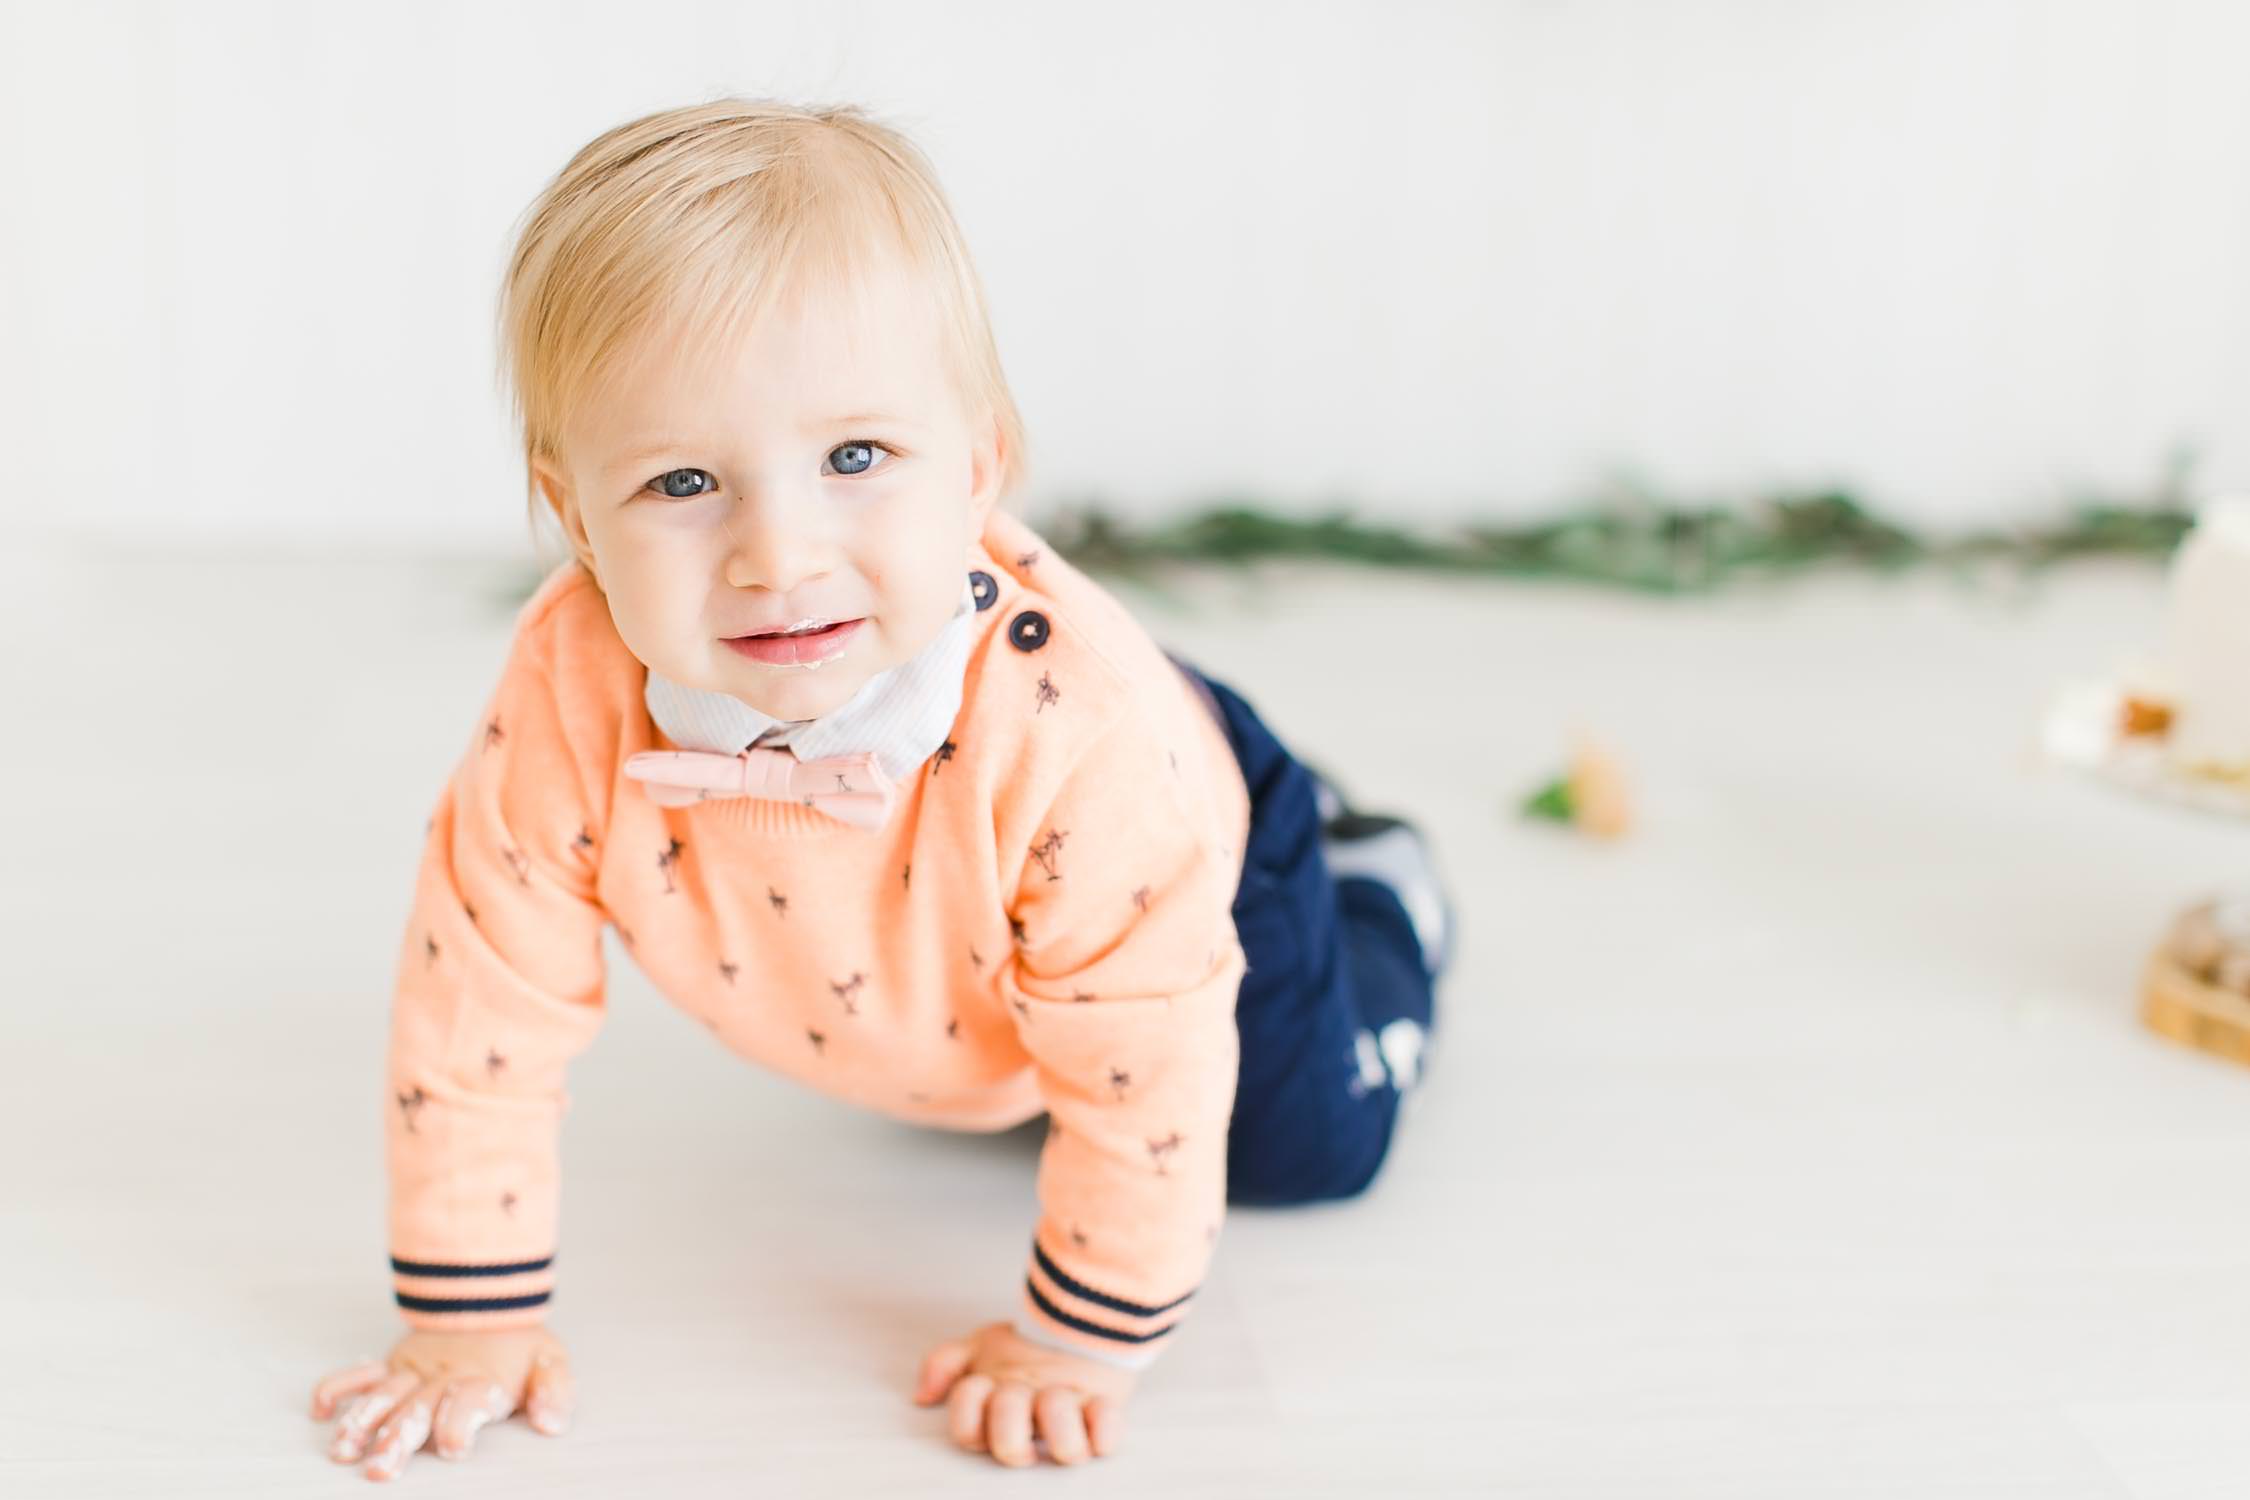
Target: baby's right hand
<point>446,1384</point>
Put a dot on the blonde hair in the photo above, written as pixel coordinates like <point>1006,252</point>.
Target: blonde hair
<point>697,218</point>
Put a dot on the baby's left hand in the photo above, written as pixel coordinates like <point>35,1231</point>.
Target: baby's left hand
<point>1003,1385</point>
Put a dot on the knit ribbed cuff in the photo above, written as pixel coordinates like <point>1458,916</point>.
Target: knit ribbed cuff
<point>454,1295</point>
<point>1061,1312</point>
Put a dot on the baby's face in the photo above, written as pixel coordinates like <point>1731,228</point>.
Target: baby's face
<point>822,468</point>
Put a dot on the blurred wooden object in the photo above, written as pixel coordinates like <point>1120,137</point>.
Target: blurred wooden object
<point>2196,989</point>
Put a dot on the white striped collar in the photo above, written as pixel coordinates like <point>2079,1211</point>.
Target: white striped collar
<point>902,713</point>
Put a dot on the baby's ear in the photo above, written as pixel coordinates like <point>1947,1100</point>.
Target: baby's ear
<point>556,491</point>
<point>987,463</point>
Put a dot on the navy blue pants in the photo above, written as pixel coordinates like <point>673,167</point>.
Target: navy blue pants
<point>1329,958</point>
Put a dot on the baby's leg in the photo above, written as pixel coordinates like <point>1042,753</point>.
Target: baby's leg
<point>1339,993</point>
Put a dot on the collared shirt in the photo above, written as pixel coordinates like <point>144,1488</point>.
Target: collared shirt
<point>902,713</point>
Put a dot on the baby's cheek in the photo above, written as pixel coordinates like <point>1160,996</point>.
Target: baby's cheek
<point>657,625</point>
<point>644,643</point>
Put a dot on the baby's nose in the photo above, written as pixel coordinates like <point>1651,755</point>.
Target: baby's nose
<point>772,546</point>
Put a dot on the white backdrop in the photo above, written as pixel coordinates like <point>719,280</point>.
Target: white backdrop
<point>1426,259</point>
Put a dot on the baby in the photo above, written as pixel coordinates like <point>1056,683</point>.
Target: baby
<point>867,778</point>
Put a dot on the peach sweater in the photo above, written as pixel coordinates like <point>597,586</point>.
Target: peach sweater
<point>1043,923</point>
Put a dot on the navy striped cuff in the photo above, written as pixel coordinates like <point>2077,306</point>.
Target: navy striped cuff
<point>1093,1306</point>
<point>486,1287</point>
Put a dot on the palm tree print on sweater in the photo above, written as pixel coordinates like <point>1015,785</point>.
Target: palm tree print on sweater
<point>409,1103</point>
<point>668,861</point>
<point>1159,1150</point>
<point>779,901</point>
<point>847,990</point>
<point>1048,693</point>
<point>492,734</point>
<point>1119,1079</point>
<point>1046,849</point>
<point>518,865</point>
<point>727,971</point>
<point>493,1062</point>
<point>584,841</point>
<point>944,754</point>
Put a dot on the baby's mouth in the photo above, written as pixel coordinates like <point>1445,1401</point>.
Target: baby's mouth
<point>807,644</point>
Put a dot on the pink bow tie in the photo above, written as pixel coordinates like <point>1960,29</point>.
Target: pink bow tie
<point>853,789</point>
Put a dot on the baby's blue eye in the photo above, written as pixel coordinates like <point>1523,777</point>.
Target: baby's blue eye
<point>863,448</point>
<point>662,484</point>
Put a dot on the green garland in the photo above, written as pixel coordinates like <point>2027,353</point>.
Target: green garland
<point>1641,546</point>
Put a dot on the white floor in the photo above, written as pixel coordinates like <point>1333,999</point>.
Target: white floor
<point>1806,1144</point>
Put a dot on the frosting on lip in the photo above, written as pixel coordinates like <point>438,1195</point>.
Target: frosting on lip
<point>807,624</point>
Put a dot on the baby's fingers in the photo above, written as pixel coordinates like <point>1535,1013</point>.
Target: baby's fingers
<point>334,1387</point>
<point>941,1369</point>
<point>1007,1424</point>
<point>467,1405</point>
<point>964,1414</point>
<point>1105,1424</point>
<point>365,1410</point>
<point>404,1433</point>
<point>549,1394</point>
<point>1062,1422</point>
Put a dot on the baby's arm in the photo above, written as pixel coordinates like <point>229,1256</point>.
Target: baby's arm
<point>498,983</point>
<point>1122,988</point>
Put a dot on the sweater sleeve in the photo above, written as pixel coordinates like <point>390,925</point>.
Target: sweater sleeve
<point>499,982</point>
<point>1123,986</point>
